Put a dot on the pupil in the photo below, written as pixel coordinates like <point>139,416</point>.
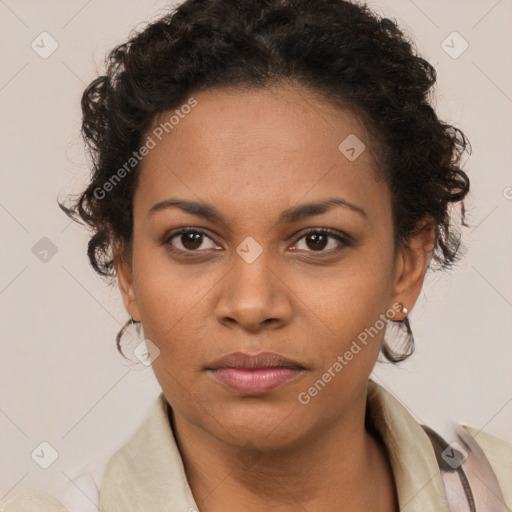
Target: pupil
<point>191,240</point>
<point>319,241</point>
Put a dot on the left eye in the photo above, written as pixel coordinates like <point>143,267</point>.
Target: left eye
<point>320,241</point>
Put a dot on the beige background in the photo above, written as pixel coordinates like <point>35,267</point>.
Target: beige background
<point>61,379</point>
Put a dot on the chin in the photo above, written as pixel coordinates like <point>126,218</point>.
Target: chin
<point>256,421</point>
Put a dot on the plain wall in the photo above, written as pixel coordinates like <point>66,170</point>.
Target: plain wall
<point>61,378</point>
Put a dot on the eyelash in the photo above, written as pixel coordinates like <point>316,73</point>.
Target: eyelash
<point>343,239</point>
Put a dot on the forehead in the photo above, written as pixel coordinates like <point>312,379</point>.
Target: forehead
<point>257,149</point>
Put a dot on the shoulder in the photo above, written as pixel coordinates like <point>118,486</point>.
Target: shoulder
<point>79,493</point>
<point>31,500</point>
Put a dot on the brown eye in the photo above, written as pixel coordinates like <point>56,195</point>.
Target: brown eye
<point>191,240</point>
<point>321,240</point>
<point>317,241</point>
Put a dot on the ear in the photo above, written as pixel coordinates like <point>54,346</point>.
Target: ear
<point>411,265</point>
<point>126,287</point>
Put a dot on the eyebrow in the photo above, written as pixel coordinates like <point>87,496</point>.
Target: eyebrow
<point>292,214</point>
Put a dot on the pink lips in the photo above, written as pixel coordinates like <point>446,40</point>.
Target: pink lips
<point>254,374</point>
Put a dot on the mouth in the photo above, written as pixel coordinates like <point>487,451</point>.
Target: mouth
<point>254,374</point>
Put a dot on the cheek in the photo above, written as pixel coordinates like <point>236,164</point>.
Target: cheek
<point>171,304</point>
<point>166,295</point>
<point>353,296</point>
<point>165,291</point>
<point>351,305</point>
<point>350,333</point>
<point>348,338</point>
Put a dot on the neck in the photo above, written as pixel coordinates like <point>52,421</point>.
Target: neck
<point>344,468</point>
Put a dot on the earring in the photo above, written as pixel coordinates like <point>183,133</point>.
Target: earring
<point>129,323</point>
<point>402,339</point>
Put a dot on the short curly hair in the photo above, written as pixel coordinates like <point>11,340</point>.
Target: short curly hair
<point>340,50</point>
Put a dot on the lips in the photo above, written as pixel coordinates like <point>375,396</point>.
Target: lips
<point>245,361</point>
<point>261,373</point>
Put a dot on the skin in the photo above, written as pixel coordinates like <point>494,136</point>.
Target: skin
<point>252,154</point>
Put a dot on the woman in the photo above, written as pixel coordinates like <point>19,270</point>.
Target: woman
<point>270,186</point>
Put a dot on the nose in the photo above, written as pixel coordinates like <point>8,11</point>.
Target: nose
<point>254,296</point>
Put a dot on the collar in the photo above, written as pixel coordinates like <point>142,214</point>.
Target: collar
<point>411,455</point>
<point>147,473</point>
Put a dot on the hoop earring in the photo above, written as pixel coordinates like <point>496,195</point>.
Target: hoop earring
<point>405,339</point>
<point>129,323</point>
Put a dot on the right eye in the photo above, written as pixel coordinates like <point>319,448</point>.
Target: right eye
<point>189,240</point>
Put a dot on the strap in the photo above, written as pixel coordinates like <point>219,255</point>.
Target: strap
<point>468,479</point>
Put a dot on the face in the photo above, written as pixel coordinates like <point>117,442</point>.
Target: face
<point>289,251</point>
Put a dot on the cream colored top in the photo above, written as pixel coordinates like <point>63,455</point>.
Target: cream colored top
<point>147,474</point>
